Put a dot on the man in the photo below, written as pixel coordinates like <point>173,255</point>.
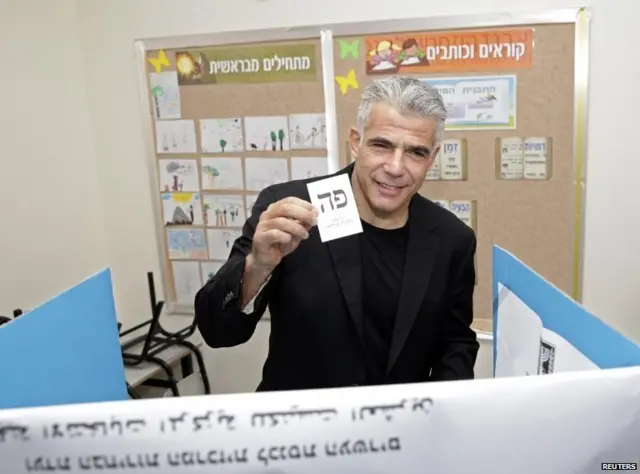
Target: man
<point>393,304</point>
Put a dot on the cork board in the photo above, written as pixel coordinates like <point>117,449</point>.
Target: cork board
<point>208,171</point>
<point>531,218</point>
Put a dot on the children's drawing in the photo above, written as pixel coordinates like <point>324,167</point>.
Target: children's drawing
<point>307,131</point>
<point>251,200</point>
<point>220,242</point>
<point>209,269</point>
<point>185,244</point>
<point>165,95</point>
<point>266,133</point>
<point>177,176</point>
<point>221,135</point>
<point>181,209</point>
<point>222,173</point>
<point>306,167</point>
<point>187,280</point>
<point>223,210</point>
<point>175,136</point>
<point>263,172</point>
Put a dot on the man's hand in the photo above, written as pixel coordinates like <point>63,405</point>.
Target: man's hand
<point>281,228</point>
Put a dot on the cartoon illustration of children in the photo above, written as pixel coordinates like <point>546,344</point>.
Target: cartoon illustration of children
<point>411,54</point>
<point>384,56</point>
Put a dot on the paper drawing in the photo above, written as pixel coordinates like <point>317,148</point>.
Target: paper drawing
<point>209,269</point>
<point>175,136</point>
<point>159,61</point>
<point>220,242</point>
<point>263,172</point>
<point>184,244</point>
<point>165,95</point>
<point>266,133</point>
<point>250,200</point>
<point>307,131</point>
<point>181,209</point>
<point>222,173</point>
<point>223,210</point>
<point>177,176</point>
<point>187,280</point>
<point>306,167</point>
<point>348,81</point>
<point>220,135</point>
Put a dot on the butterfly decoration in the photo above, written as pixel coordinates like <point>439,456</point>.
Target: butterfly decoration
<point>346,82</point>
<point>159,61</point>
<point>349,48</point>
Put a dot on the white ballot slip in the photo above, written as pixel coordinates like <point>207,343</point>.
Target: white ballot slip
<point>556,424</point>
<point>337,211</point>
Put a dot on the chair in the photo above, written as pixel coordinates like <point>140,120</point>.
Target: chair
<point>158,339</point>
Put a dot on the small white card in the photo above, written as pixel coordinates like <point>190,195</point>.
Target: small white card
<point>337,211</point>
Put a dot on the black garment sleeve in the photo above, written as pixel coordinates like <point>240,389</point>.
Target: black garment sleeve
<point>460,347</point>
<point>219,317</point>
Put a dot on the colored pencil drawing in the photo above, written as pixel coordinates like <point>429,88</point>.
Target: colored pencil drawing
<point>181,209</point>
<point>266,133</point>
<point>186,244</point>
<point>220,242</point>
<point>178,176</point>
<point>222,173</point>
<point>263,172</point>
<point>165,95</point>
<point>175,136</point>
<point>306,167</point>
<point>223,210</point>
<point>220,135</point>
<point>187,280</point>
<point>307,131</point>
<point>209,269</point>
<point>251,200</point>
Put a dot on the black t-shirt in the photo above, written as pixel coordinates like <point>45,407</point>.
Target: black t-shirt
<point>383,255</point>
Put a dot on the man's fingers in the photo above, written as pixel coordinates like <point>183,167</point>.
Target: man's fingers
<point>276,236</point>
<point>290,226</point>
<point>292,208</point>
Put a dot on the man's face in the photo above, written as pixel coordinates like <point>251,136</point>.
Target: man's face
<point>393,159</point>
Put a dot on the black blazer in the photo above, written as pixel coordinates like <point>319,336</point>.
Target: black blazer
<point>315,302</point>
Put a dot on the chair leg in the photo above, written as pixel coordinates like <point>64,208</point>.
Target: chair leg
<point>203,370</point>
<point>173,384</point>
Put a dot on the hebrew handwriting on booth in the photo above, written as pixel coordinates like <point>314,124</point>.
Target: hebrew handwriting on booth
<point>339,198</point>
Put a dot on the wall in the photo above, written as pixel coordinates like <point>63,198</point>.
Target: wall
<point>612,266</point>
<point>51,232</point>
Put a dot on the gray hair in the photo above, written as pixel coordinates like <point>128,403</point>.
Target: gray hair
<point>410,96</point>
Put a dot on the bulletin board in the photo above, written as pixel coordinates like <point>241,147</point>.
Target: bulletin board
<point>231,113</point>
<point>227,121</point>
<point>509,164</point>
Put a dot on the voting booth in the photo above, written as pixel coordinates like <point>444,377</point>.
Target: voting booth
<point>578,421</point>
<point>560,423</point>
<point>66,350</point>
<point>539,330</point>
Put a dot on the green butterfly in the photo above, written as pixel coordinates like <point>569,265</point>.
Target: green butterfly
<point>352,48</point>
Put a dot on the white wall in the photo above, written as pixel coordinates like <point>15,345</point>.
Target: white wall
<point>51,222</point>
<point>612,265</point>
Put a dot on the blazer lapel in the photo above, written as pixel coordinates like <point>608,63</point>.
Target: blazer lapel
<point>348,266</point>
<point>422,247</point>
